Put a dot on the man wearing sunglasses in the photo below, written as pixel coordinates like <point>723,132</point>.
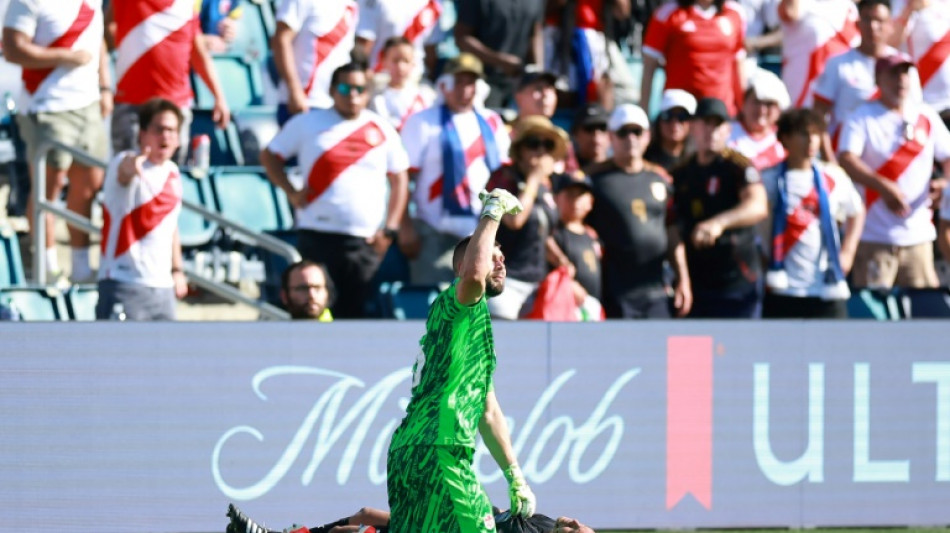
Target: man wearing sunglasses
<point>631,215</point>
<point>356,187</point>
<point>591,142</point>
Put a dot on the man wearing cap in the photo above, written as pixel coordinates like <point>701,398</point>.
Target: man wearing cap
<point>350,206</point>
<point>753,135</point>
<point>589,131</point>
<point>888,147</point>
<point>537,96</point>
<point>848,79</point>
<point>631,214</point>
<point>670,144</point>
<point>719,199</point>
<point>453,148</point>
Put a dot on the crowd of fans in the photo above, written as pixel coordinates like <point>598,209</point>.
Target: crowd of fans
<point>729,197</point>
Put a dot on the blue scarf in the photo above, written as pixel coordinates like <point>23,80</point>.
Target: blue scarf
<point>834,273</point>
<point>583,64</point>
<point>453,162</point>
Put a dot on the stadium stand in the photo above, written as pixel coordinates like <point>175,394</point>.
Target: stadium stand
<point>36,303</point>
<point>11,264</point>
<point>81,302</point>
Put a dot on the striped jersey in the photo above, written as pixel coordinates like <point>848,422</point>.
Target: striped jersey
<point>451,377</point>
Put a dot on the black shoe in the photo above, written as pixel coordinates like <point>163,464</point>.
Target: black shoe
<point>241,523</point>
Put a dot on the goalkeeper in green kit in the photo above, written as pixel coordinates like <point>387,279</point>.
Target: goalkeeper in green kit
<point>431,482</point>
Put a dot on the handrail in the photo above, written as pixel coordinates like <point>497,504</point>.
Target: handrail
<point>42,205</point>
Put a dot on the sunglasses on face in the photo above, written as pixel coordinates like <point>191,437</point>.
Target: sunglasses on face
<point>535,143</point>
<point>626,131</point>
<point>591,128</point>
<point>345,88</point>
<point>677,115</point>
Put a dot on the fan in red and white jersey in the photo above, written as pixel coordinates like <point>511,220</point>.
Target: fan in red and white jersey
<point>923,30</point>
<point>813,31</point>
<point>403,95</point>
<point>356,188</point>
<point>753,134</point>
<point>313,38</point>
<point>888,147</point>
<point>66,95</point>
<point>701,43</point>
<point>415,20</point>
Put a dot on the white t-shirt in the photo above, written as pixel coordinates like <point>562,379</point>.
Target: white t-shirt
<point>397,105</point>
<point>763,151</point>
<point>807,260</point>
<point>875,134</point>
<point>826,28</point>
<point>140,220</point>
<point>345,163</point>
<point>422,137</point>
<point>760,15</point>
<point>926,28</point>
<point>416,20</point>
<point>324,39</point>
<point>73,24</point>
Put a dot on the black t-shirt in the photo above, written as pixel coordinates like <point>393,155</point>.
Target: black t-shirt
<point>702,192</point>
<point>630,215</point>
<point>658,156</point>
<point>584,251</point>
<point>524,250</point>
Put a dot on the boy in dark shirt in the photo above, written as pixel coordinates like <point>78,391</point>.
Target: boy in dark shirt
<point>578,243</point>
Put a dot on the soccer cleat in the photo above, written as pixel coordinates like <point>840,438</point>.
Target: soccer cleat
<point>241,523</point>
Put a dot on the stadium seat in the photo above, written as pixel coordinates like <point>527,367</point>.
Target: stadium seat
<point>11,264</point>
<point>240,80</point>
<point>36,303</point>
<point>81,302</point>
<point>393,268</point>
<point>256,126</point>
<point>274,266</point>
<point>925,303</point>
<point>225,144</point>
<point>873,304</point>
<point>253,37</point>
<point>194,230</point>
<point>244,195</point>
<point>407,302</point>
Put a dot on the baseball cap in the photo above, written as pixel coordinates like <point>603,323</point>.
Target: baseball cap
<point>574,179</point>
<point>896,59</point>
<point>711,107</point>
<point>768,87</point>
<point>540,126</point>
<point>591,114</point>
<point>678,98</point>
<point>628,114</point>
<point>466,62</point>
<point>533,73</point>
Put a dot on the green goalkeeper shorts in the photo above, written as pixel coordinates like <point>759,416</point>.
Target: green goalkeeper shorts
<point>433,489</point>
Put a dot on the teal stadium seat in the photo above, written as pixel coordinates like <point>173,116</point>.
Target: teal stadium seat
<point>225,144</point>
<point>240,80</point>
<point>244,195</point>
<point>36,303</point>
<point>11,264</point>
<point>410,302</point>
<point>873,304</point>
<point>255,27</point>
<point>194,230</point>
<point>81,302</point>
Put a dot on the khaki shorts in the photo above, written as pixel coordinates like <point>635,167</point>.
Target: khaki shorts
<point>884,266</point>
<point>82,128</point>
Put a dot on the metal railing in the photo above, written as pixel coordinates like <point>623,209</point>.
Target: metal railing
<point>41,206</point>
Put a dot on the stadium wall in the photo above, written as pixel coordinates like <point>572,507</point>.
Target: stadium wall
<point>702,424</point>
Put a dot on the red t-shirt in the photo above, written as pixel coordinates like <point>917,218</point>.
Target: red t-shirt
<point>589,15</point>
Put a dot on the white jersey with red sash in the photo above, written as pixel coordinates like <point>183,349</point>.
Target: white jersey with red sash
<point>423,141</point>
<point>763,150</point>
<point>397,105</point>
<point>416,20</point>
<point>139,223</point>
<point>900,147</point>
<point>154,40</point>
<point>826,28</point>
<point>72,24</point>
<point>324,39</point>
<point>928,43</point>
<point>805,255</point>
<point>345,163</point>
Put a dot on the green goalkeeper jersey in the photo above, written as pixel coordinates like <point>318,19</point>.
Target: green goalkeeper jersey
<point>451,377</point>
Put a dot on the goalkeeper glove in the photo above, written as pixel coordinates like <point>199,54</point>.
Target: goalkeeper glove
<point>523,502</point>
<point>498,203</point>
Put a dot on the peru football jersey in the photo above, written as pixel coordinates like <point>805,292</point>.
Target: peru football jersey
<point>324,39</point>
<point>928,43</point>
<point>902,148</point>
<point>416,20</point>
<point>826,28</point>
<point>154,39</point>
<point>763,151</point>
<point>139,223</point>
<point>699,48</point>
<point>345,163</point>
<point>422,138</point>
<point>397,105</point>
<point>71,24</point>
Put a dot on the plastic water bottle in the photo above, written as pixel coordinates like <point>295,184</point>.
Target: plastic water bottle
<point>118,312</point>
<point>200,155</point>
